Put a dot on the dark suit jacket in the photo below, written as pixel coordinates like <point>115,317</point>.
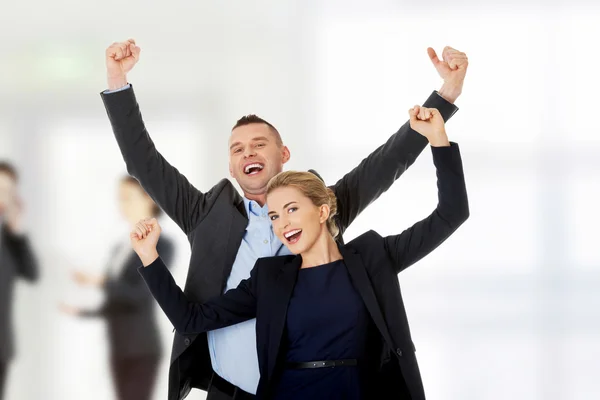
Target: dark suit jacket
<point>215,221</point>
<point>16,260</point>
<point>373,263</point>
<point>129,309</point>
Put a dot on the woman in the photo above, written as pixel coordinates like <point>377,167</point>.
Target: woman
<point>330,320</point>
<point>128,308</point>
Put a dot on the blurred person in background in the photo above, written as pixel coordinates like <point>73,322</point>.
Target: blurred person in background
<point>228,232</point>
<point>331,323</point>
<point>16,261</point>
<point>128,308</point>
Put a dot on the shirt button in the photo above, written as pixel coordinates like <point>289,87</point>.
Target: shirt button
<point>266,241</point>
<point>187,341</point>
<point>399,352</point>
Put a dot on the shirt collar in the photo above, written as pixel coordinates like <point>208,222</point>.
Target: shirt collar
<point>253,208</point>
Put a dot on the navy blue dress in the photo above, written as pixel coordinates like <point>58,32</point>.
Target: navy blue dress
<point>326,320</point>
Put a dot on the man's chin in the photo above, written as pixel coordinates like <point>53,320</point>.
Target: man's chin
<point>254,187</point>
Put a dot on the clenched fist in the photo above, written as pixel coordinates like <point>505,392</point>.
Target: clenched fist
<point>429,123</point>
<point>144,238</point>
<point>120,59</point>
<point>452,69</point>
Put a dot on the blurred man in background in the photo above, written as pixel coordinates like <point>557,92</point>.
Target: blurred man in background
<point>16,260</point>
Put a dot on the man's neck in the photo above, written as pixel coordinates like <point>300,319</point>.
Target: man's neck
<point>323,251</point>
<point>261,199</point>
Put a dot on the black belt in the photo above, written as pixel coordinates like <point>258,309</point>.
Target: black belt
<point>321,364</point>
<point>228,388</point>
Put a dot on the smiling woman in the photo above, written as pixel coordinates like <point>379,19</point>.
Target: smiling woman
<point>297,200</point>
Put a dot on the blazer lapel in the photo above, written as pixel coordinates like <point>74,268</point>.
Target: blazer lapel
<point>362,283</point>
<point>237,228</point>
<point>284,287</point>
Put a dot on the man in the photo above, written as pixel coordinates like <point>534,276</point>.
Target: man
<point>228,232</point>
<point>16,260</point>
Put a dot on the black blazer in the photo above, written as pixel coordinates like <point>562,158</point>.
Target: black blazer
<point>373,263</point>
<point>16,261</point>
<point>130,311</point>
<point>215,221</point>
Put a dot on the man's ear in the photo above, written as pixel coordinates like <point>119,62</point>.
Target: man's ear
<point>285,154</point>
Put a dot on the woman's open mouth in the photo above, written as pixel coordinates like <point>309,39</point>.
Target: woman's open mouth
<point>293,236</point>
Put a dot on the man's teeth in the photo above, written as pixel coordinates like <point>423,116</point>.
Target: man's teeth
<point>248,167</point>
<point>292,233</point>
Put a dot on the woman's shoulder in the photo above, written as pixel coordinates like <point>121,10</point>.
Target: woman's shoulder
<point>366,239</point>
<point>276,261</point>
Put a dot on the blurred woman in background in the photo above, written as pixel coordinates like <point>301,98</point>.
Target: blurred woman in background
<point>129,310</point>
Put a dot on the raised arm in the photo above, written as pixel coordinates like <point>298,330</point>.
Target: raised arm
<point>131,294</point>
<point>452,208</point>
<point>171,190</point>
<point>235,306</point>
<point>377,172</point>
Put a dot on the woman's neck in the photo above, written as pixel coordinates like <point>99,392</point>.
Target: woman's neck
<point>323,251</point>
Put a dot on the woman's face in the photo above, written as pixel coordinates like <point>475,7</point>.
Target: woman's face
<point>133,202</point>
<point>297,222</point>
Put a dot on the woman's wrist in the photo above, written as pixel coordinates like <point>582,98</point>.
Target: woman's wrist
<point>439,140</point>
<point>149,257</point>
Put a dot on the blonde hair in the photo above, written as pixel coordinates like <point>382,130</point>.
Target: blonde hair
<point>312,187</point>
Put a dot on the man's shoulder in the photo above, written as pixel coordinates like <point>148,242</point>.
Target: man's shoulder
<point>224,191</point>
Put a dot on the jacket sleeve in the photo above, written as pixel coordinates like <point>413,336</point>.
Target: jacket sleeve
<point>452,210</point>
<point>20,249</point>
<point>170,189</point>
<point>235,306</point>
<point>377,172</point>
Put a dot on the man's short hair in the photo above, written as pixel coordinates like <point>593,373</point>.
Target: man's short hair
<point>255,119</point>
<point>9,169</point>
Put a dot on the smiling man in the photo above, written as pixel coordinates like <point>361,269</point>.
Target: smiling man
<point>229,231</point>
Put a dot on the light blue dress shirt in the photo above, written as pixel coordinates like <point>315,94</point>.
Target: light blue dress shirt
<point>232,350</point>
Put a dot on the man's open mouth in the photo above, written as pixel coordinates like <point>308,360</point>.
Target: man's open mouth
<point>253,169</point>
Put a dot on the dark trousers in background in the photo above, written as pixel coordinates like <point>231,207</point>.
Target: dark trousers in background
<point>135,378</point>
<point>3,373</point>
<point>220,389</point>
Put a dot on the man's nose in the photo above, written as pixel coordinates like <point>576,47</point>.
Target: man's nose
<point>249,152</point>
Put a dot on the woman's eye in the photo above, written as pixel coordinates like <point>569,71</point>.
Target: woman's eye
<point>273,217</point>
<point>292,209</point>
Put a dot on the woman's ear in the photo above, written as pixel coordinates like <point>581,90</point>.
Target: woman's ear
<point>324,212</point>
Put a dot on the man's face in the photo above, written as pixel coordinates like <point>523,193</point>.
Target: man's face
<point>8,190</point>
<point>255,157</point>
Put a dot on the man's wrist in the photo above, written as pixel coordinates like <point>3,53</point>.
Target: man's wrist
<point>117,82</point>
<point>450,92</point>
